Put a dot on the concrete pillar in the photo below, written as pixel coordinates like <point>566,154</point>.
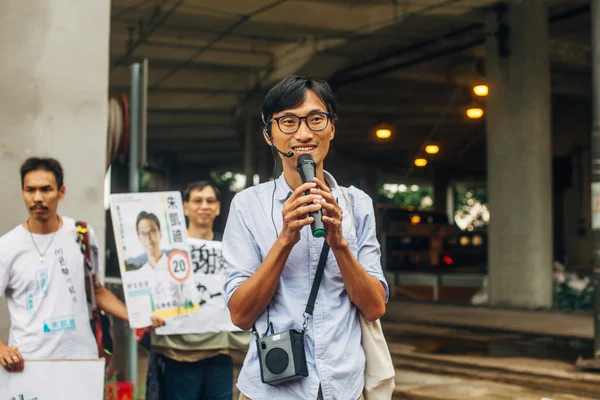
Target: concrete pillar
<point>53,101</point>
<point>519,158</point>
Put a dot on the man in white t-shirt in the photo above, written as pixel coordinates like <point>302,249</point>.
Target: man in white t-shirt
<point>43,276</point>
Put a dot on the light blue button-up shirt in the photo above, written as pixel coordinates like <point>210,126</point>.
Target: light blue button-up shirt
<point>334,354</point>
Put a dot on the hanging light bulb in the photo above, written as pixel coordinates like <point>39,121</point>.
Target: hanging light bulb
<point>481,90</point>
<point>383,133</point>
<point>474,112</point>
<point>432,149</point>
<point>420,162</point>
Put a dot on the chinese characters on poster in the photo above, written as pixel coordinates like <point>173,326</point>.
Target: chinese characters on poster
<point>156,271</point>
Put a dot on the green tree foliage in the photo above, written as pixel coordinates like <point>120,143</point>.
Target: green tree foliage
<point>227,180</point>
<point>420,197</point>
<point>471,207</point>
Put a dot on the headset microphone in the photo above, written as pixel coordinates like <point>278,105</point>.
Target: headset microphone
<point>266,132</point>
<point>288,154</point>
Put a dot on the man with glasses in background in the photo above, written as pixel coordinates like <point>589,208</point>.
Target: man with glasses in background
<point>195,366</point>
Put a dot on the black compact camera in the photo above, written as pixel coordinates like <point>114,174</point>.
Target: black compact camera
<point>282,357</point>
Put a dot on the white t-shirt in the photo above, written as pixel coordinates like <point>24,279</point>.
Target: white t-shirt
<point>47,303</point>
<point>166,291</point>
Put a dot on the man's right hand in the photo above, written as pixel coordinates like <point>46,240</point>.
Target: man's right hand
<point>157,321</point>
<point>295,212</point>
<point>11,359</point>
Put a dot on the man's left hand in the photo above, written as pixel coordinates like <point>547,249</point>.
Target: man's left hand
<point>332,216</point>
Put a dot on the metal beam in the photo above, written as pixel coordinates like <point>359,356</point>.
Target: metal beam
<point>197,145</point>
<point>190,46</point>
<point>191,134</point>
<point>171,90</point>
<point>186,100</point>
<point>190,110</point>
<point>124,10</point>
<point>406,109</point>
<point>415,47</point>
<point>220,36</point>
<point>408,63</point>
<point>146,34</point>
<point>201,120</point>
<point>179,49</point>
<point>182,30</point>
<point>348,77</point>
<point>162,63</point>
<point>209,78</point>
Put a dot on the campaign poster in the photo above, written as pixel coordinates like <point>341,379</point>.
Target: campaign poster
<point>54,380</point>
<point>151,239</point>
<point>210,271</point>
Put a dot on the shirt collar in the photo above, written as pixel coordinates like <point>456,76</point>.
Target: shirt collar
<point>284,191</point>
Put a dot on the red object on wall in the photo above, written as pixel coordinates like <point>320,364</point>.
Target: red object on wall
<point>118,391</point>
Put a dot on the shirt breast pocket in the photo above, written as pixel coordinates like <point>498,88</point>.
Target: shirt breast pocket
<point>331,260</point>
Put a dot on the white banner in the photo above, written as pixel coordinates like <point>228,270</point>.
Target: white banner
<point>54,380</point>
<point>209,272</point>
<point>151,239</point>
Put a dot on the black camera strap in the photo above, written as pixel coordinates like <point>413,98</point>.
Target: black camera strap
<point>310,306</point>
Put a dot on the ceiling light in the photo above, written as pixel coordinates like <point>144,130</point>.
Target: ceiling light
<point>475,112</point>
<point>383,133</point>
<point>432,149</point>
<point>420,162</point>
<point>481,90</point>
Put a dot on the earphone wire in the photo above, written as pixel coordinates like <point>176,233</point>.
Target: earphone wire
<point>269,323</point>
<point>274,189</point>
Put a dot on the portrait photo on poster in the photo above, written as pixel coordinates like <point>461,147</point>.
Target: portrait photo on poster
<point>152,246</point>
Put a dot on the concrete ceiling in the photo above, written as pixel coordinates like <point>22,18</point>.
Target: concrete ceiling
<point>409,64</point>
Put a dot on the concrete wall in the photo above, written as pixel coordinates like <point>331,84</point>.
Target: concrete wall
<point>53,102</point>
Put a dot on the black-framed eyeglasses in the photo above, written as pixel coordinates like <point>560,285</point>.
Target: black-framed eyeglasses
<point>149,233</point>
<point>316,121</point>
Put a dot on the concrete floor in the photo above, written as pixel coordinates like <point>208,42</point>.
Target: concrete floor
<point>424,386</point>
<point>553,323</point>
<point>483,369</point>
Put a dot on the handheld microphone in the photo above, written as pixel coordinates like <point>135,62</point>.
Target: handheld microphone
<point>307,168</point>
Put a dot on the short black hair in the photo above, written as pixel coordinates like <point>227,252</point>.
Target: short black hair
<point>290,93</point>
<point>146,215</point>
<point>199,185</point>
<point>45,164</point>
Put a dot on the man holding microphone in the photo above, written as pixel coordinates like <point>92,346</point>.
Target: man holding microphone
<point>273,256</point>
